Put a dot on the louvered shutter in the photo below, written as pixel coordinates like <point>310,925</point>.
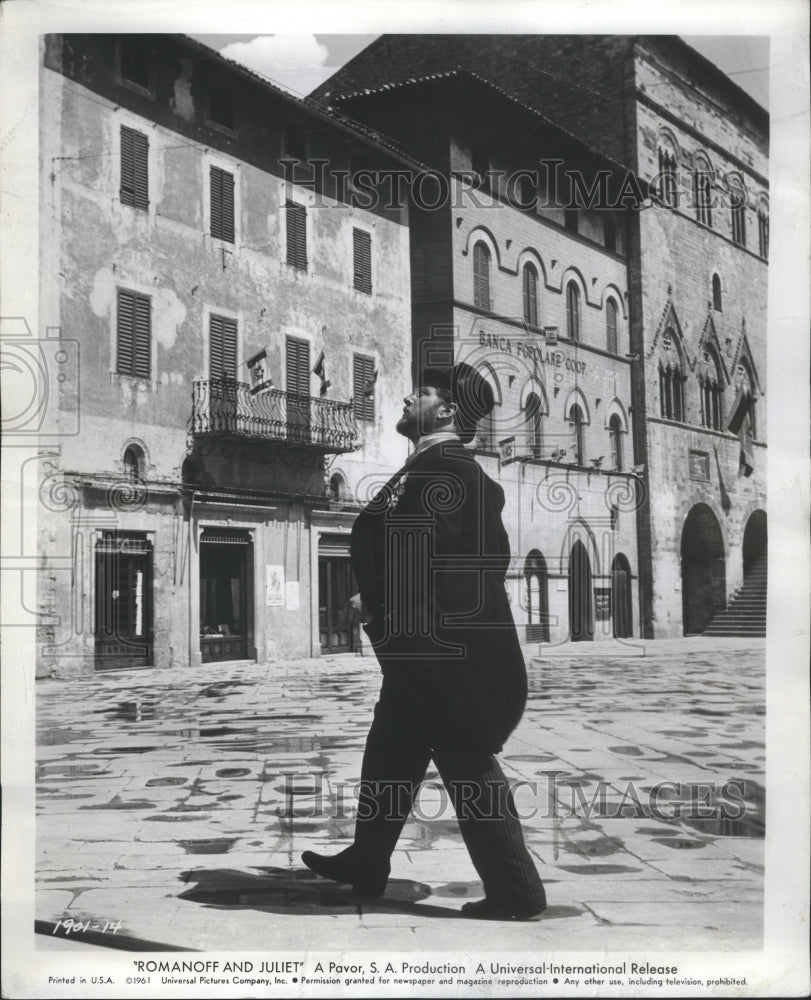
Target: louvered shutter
<point>222,347</point>
<point>481,276</point>
<point>362,251</point>
<point>362,376</point>
<point>134,335</point>
<point>530,295</point>
<point>296,235</point>
<point>298,367</point>
<point>126,326</point>
<point>572,311</point>
<point>222,205</point>
<point>143,337</point>
<point>611,326</point>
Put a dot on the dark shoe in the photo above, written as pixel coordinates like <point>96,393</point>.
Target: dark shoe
<point>343,868</point>
<point>486,909</point>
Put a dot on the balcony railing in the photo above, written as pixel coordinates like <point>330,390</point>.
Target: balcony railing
<point>227,407</point>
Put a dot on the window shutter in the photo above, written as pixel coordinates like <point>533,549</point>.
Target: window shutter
<point>298,367</point>
<point>481,276</point>
<point>611,326</point>
<point>126,325</point>
<point>134,168</point>
<point>362,377</point>
<point>296,235</point>
<point>143,337</point>
<point>134,335</point>
<point>222,205</point>
<point>222,347</point>
<point>573,311</point>
<point>530,295</point>
<point>362,250</point>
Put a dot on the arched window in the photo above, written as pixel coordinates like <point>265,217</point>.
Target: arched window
<point>534,417</point>
<point>578,435</point>
<point>737,205</point>
<point>530,295</point>
<point>710,388</point>
<point>611,325</point>
<point>702,191</point>
<point>481,276</point>
<point>717,301</point>
<point>133,463</point>
<point>667,177</point>
<point>671,391</point>
<point>615,433</point>
<point>573,311</point>
<point>337,486</point>
<point>763,230</point>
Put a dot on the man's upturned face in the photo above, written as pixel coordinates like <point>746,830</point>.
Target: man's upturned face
<point>425,411</point>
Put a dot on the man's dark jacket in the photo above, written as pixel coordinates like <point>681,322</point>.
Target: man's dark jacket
<point>430,555</point>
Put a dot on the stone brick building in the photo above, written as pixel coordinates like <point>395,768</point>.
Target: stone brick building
<point>696,249</point>
<point>239,325</point>
<point>534,296</point>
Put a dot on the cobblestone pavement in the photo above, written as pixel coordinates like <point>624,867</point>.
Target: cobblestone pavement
<point>179,803</point>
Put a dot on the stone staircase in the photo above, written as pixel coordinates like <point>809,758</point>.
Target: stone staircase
<point>746,614</point>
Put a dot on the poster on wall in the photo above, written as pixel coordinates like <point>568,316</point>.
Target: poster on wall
<point>274,587</point>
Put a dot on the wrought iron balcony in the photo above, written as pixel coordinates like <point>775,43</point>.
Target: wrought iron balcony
<point>226,407</point>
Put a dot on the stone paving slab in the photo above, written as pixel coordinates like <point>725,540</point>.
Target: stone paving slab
<point>162,798</point>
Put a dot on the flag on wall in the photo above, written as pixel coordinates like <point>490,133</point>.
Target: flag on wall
<point>321,371</point>
<point>740,423</point>
<point>369,388</point>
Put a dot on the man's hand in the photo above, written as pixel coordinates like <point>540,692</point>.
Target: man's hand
<point>357,609</point>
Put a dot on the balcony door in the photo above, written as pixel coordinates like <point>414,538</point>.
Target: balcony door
<point>297,385</point>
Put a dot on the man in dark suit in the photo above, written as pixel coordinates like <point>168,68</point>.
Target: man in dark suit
<point>430,554</point>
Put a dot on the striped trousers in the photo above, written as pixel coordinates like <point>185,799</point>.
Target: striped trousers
<point>409,730</point>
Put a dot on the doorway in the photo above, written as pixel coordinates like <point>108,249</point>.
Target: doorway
<point>621,597</point>
<point>581,614</point>
<point>703,570</point>
<point>537,596</point>
<point>123,618</point>
<point>224,574</point>
<point>338,632</point>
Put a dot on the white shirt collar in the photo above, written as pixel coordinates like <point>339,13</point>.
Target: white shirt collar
<point>429,440</point>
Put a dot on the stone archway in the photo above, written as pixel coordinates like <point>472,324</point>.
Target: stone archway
<point>703,569</point>
<point>755,541</point>
<point>581,615</point>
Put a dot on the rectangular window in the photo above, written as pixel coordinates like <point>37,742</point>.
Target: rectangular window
<point>134,168</point>
<point>221,108</point>
<point>362,251</point>
<point>296,235</point>
<point>222,205</point>
<point>363,387</point>
<point>222,347</point>
<point>133,334</point>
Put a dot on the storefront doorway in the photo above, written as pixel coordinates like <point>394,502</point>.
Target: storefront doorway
<point>336,584</point>
<point>123,619</point>
<point>225,558</point>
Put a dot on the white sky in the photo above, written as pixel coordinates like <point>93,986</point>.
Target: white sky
<point>300,63</point>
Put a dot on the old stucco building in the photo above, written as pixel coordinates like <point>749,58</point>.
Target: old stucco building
<point>241,325</point>
<point>696,249</point>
